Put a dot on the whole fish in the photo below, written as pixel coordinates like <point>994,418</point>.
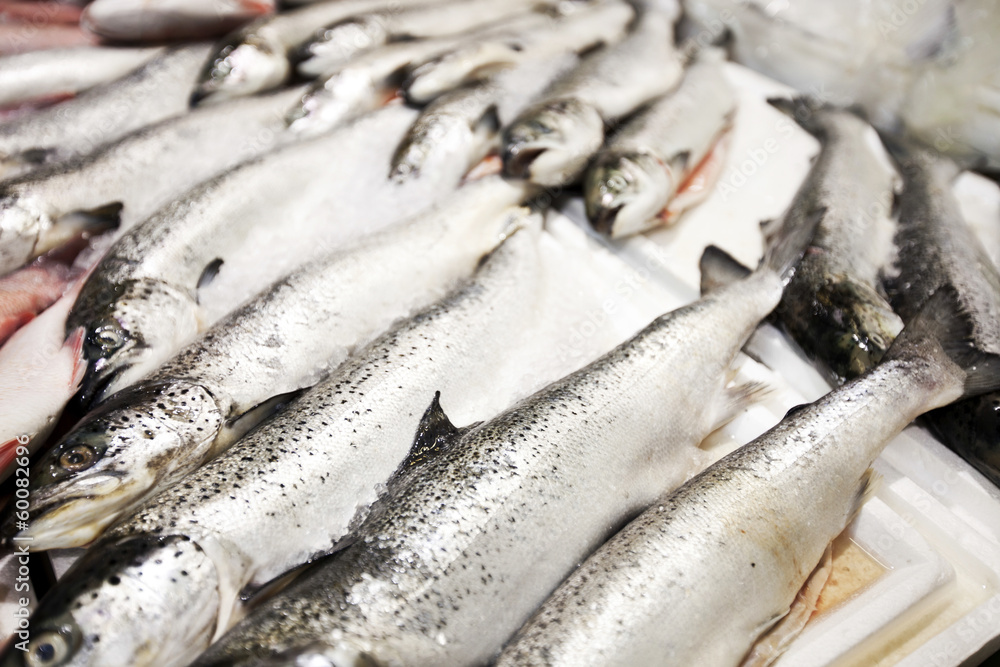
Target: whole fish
<point>58,73</point>
<point>709,568</point>
<point>140,304</point>
<point>937,248</point>
<point>551,142</point>
<point>127,180</point>
<point>833,306</point>
<point>255,58</point>
<point>157,90</point>
<point>579,28</point>
<point>40,368</point>
<point>213,391</point>
<point>143,21</point>
<point>652,169</point>
<point>336,44</point>
<point>487,526</point>
<point>472,116</point>
<point>350,433</point>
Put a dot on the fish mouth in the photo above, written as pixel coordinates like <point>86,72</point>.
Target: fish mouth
<point>517,160</point>
<point>603,219</point>
<point>68,516</point>
<point>96,385</point>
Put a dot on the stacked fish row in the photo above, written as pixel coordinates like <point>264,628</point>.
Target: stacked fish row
<point>307,403</point>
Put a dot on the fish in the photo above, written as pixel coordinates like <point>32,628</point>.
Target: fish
<point>834,307</point>
<point>124,182</point>
<point>351,432</point>
<point>60,73</point>
<point>18,38</point>
<point>39,12</point>
<point>338,43</point>
<point>578,28</point>
<point>472,116</point>
<point>40,368</point>
<point>665,159</point>
<point>718,564</point>
<point>140,21</point>
<point>255,58</point>
<point>155,91</point>
<point>140,303</point>
<point>207,396</point>
<point>551,142</point>
<point>935,249</point>
<point>495,515</point>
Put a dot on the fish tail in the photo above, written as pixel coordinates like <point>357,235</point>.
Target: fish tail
<point>942,330</point>
<point>719,268</point>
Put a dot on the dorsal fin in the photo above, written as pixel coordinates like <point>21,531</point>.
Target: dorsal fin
<point>433,433</point>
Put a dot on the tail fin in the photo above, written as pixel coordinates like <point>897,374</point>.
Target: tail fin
<point>944,327</point>
<point>719,268</point>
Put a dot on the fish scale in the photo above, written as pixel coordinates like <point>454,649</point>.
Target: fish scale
<point>495,520</point>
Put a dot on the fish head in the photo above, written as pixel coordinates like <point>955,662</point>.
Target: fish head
<point>332,101</point>
<point>854,323</point>
<point>22,222</point>
<point>243,66</point>
<point>338,43</point>
<point>138,601</point>
<point>131,327</point>
<point>625,192</point>
<point>142,439</point>
<point>551,143</point>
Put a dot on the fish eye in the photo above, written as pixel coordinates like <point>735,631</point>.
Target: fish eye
<point>77,458</point>
<point>47,650</point>
<point>108,339</point>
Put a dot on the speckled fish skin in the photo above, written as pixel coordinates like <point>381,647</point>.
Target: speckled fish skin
<point>698,577</point>
<point>338,43</point>
<point>577,28</point>
<point>491,525</point>
<point>143,21</point>
<point>307,474</point>
<point>936,247</point>
<point>642,168</point>
<point>141,171</point>
<point>139,306</point>
<point>157,90</point>
<point>57,72</point>
<point>833,306</point>
<point>552,141</point>
<point>197,404</point>
<point>255,58</point>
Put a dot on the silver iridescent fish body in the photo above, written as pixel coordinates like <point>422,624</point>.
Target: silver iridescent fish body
<point>307,475</point>
<point>486,527</point>
<point>551,142</point>
<point>198,403</point>
<point>709,568</point>
<point>637,181</point>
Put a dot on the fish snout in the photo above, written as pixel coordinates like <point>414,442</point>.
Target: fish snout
<point>551,143</point>
<point>240,69</point>
<point>625,192</point>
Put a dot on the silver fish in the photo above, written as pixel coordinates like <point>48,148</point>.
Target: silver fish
<point>336,44</point>
<point>57,72</point>
<point>129,179</point>
<point>552,141</point>
<point>467,544</point>
<point>581,27</point>
<point>139,305</point>
<point>937,248</point>
<point>471,117</point>
<point>255,58</point>
<point>349,433</point>
<point>157,90</point>
<point>141,21</point>
<point>201,401</point>
<point>709,568</point>
<point>637,181</point>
